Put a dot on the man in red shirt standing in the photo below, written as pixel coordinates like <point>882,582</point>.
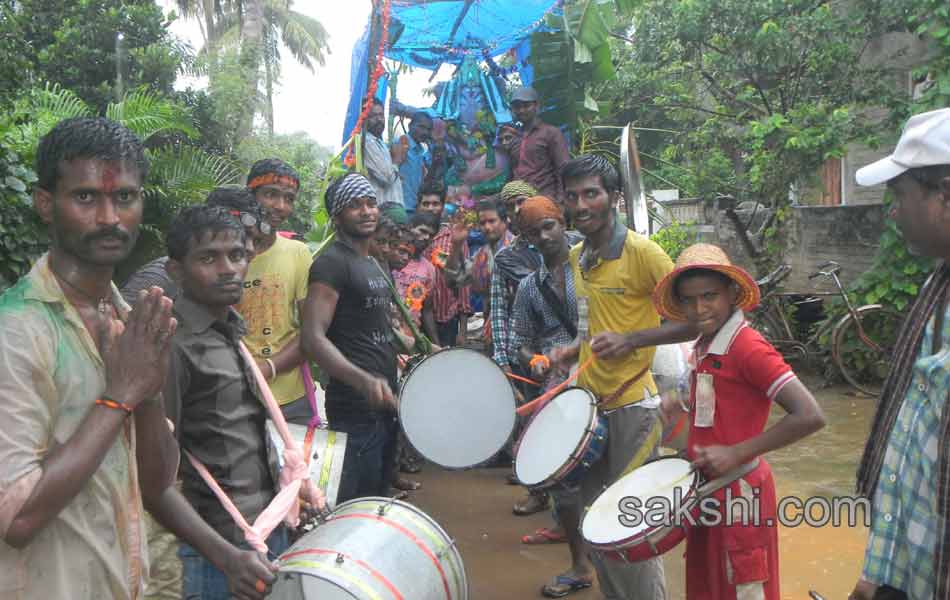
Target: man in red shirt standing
<point>542,149</point>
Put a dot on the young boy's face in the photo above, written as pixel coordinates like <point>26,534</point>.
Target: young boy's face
<point>708,300</point>
<point>399,257</point>
<point>212,273</point>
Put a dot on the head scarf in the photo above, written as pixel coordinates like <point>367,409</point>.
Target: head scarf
<point>537,208</point>
<point>516,188</point>
<point>346,190</point>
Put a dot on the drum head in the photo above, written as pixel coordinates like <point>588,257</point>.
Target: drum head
<point>553,436</point>
<point>457,408</point>
<point>601,525</point>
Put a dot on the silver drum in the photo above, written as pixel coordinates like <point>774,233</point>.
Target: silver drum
<point>373,549</point>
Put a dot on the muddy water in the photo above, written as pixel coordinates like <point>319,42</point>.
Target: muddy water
<point>475,508</point>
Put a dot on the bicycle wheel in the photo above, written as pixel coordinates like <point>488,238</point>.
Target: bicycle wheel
<point>862,365</point>
<point>768,325</point>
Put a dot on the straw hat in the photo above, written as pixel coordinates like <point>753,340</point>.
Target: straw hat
<point>703,256</point>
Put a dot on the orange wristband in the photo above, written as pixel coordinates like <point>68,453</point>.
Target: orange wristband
<point>110,403</point>
<point>540,359</point>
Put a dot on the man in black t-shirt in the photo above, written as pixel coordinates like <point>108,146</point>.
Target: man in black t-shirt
<point>347,331</point>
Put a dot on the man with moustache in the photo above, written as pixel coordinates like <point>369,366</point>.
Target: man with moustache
<point>615,273</point>
<point>274,289</point>
<point>381,161</point>
<point>85,445</point>
<point>210,398</point>
<point>542,149</point>
<point>417,160</point>
<point>348,332</point>
<point>905,470</point>
<point>545,317</point>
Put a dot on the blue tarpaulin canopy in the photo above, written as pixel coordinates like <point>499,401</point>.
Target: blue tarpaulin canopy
<point>444,31</point>
<point>429,33</point>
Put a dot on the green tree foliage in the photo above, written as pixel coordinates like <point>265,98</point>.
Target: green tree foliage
<point>759,94</point>
<point>22,236</point>
<point>243,53</point>
<point>73,43</point>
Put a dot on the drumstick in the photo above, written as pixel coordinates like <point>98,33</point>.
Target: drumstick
<point>544,398</point>
<point>524,379</point>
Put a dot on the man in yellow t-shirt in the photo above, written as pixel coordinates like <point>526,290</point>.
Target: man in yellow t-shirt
<point>615,271</point>
<point>276,283</point>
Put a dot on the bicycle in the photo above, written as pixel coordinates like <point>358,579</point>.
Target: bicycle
<point>859,336</point>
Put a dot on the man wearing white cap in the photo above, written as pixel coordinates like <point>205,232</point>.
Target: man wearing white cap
<point>905,470</point>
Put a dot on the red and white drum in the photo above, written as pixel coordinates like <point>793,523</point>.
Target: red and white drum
<point>610,524</point>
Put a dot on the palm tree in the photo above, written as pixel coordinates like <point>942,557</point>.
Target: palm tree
<point>261,27</point>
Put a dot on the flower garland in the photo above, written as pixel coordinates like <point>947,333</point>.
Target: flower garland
<point>415,296</point>
<point>438,257</point>
<point>373,79</point>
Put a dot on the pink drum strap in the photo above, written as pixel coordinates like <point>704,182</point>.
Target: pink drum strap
<point>286,505</point>
<point>311,390</point>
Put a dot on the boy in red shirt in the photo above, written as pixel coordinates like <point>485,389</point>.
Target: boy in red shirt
<point>737,375</point>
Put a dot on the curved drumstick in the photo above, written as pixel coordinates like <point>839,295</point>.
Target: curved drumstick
<point>524,379</point>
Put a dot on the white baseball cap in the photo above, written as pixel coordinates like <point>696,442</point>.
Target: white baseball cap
<point>925,142</point>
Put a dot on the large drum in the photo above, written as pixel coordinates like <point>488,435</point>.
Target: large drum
<point>373,549</point>
<point>561,441</point>
<point>457,408</point>
<point>326,460</point>
<point>611,529</point>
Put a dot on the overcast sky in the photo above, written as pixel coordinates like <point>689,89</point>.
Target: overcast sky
<point>316,102</point>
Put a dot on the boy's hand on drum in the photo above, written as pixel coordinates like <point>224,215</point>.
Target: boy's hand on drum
<point>250,575</point>
<point>717,460</point>
<point>376,390</point>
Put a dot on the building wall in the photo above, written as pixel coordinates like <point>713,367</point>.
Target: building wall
<point>847,235</point>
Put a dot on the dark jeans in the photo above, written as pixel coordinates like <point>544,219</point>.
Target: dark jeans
<point>448,332</point>
<point>886,592</point>
<point>370,455</point>
<point>201,580</point>
<point>298,411</point>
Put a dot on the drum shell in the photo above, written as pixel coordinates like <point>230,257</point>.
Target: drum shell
<point>590,449</point>
<point>358,554</point>
<point>326,461</point>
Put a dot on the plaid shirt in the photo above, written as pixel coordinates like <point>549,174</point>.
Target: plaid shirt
<point>534,321</point>
<point>446,301</point>
<point>905,521</point>
<point>501,297</point>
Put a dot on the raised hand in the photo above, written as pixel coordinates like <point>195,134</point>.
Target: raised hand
<point>136,355</point>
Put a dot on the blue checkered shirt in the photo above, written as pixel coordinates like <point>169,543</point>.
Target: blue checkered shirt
<point>904,523</point>
<point>533,320</point>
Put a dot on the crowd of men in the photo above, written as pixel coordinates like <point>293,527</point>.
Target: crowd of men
<point>104,391</point>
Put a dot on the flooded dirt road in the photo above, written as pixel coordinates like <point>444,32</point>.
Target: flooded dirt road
<point>475,508</point>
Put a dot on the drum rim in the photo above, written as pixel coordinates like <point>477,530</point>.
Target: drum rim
<point>692,496</point>
<point>514,424</point>
<point>463,583</point>
<point>592,422</point>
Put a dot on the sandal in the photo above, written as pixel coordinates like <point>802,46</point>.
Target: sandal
<point>544,535</point>
<point>406,485</point>
<point>564,585</point>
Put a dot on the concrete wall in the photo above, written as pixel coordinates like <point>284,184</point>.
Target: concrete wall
<point>847,235</point>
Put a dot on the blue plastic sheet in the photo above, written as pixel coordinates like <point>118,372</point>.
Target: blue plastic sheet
<point>493,25</point>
